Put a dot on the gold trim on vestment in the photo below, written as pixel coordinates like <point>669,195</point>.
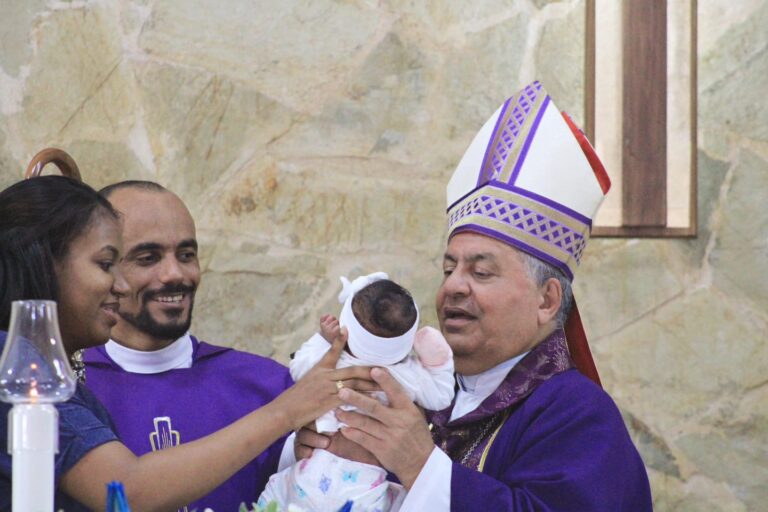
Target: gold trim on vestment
<point>487,448</point>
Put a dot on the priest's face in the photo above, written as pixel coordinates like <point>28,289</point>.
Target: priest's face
<point>487,305</point>
<point>160,266</point>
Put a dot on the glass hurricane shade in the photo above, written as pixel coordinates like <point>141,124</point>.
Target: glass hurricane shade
<point>34,368</point>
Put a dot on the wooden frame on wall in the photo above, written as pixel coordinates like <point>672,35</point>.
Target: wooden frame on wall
<point>640,110</point>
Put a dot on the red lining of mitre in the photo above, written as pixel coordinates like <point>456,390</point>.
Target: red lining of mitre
<point>589,152</point>
<point>578,346</point>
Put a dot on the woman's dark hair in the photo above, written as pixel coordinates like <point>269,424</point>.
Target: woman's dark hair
<point>39,219</point>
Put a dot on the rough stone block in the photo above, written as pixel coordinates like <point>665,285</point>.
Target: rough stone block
<point>740,257</point>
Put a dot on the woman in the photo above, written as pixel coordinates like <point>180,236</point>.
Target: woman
<point>60,240</point>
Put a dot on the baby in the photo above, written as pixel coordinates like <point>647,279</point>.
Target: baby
<point>382,322</point>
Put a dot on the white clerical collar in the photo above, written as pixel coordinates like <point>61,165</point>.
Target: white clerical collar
<point>473,389</point>
<point>176,355</point>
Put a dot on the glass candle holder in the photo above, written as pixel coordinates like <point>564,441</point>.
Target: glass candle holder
<point>34,368</point>
<point>34,374</point>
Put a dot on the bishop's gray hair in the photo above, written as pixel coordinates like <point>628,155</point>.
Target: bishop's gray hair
<point>540,271</point>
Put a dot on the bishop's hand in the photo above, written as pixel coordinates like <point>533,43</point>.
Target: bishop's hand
<point>397,435</point>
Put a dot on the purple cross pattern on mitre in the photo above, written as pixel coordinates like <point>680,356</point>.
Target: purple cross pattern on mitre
<point>509,132</point>
<point>523,219</point>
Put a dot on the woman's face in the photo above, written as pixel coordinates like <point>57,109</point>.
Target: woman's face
<point>89,286</point>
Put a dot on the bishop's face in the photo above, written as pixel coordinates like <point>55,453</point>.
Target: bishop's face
<point>160,266</point>
<point>487,305</point>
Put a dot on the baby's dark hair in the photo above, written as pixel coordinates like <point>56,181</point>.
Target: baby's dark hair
<point>385,309</point>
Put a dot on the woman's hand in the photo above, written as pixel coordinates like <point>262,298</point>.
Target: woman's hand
<point>318,391</point>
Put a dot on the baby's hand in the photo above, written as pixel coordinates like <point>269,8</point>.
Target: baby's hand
<point>431,348</point>
<point>329,328</point>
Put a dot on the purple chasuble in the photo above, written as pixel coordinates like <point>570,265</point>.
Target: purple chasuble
<point>464,439</point>
<point>155,411</point>
<point>557,443</point>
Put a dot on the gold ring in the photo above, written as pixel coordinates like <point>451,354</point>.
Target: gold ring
<point>339,385</point>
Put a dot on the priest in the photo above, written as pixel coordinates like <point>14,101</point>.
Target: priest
<point>161,385</point>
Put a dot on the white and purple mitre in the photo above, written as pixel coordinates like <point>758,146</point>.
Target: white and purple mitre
<point>531,179</point>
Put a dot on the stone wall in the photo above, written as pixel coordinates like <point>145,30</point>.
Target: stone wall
<point>314,139</point>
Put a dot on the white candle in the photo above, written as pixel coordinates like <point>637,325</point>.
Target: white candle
<point>33,442</point>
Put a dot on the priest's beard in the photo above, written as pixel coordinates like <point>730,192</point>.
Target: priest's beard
<point>169,330</point>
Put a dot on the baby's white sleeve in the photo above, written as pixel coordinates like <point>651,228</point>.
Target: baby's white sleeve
<point>431,388</point>
<point>308,355</point>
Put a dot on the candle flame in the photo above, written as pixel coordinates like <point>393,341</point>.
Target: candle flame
<point>33,393</point>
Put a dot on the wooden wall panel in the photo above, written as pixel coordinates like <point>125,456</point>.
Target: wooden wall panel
<point>644,126</point>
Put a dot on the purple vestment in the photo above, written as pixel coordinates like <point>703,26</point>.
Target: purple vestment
<point>154,411</point>
<point>562,444</point>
